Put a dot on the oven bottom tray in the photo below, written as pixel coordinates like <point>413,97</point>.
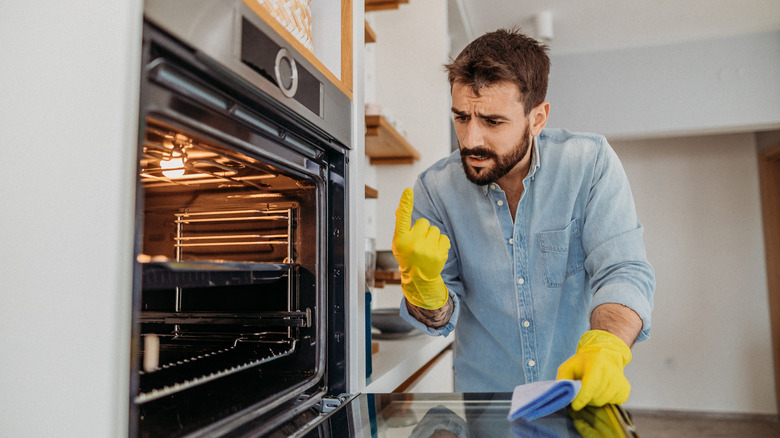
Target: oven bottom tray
<point>185,363</point>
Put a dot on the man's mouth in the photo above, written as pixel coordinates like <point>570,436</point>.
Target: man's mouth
<point>477,159</point>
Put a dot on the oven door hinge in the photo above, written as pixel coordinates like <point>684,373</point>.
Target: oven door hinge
<point>330,404</point>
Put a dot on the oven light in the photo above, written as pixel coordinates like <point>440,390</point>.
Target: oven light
<point>174,166</point>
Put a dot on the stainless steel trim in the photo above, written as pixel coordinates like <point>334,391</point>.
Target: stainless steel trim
<point>213,27</point>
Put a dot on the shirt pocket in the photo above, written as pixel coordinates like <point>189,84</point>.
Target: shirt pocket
<point>562,253</point>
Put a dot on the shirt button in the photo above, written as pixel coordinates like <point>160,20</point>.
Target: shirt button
<point>500,202</point>
<point>493,186</point>
<point>531,363</point>
<point>526,323</point>
<point>520,280</point>
<point>511,241</point>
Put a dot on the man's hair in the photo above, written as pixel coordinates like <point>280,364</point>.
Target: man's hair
<point>504,55</point>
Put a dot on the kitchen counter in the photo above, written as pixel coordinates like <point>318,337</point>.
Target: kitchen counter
<point>399,359</point>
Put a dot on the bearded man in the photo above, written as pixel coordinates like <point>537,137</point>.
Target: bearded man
<point>526,240</point>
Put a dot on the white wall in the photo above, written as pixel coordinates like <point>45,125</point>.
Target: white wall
<point>710,346</point>
<point>325,29</point>
<point>698,197</point>
<point>405,75</point>
<point>719,85</point>
<point>410,54</point>
<point>69,87</point>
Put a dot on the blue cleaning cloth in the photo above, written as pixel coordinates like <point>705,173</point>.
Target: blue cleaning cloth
<point>535,400</point>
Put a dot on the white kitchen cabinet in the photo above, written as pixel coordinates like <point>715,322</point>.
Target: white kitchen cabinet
<point>400,359</point>
<point>438,376</point>
<point>69,81</point>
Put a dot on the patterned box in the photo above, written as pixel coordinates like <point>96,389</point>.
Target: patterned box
<point>294,15</point>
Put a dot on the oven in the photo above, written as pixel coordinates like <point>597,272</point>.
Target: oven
<point>238,322</point>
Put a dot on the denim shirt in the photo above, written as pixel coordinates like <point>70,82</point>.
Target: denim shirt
<point>524,290</point>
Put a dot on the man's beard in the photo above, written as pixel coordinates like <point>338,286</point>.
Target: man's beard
<point>502,164</point>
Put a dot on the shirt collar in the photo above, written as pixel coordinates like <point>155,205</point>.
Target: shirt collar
<point>535,163</point>
<point>535,159</point>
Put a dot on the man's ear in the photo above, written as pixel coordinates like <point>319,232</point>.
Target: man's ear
<point>538,117</point>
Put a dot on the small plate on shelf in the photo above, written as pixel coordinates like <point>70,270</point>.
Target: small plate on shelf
<point>389,322</point>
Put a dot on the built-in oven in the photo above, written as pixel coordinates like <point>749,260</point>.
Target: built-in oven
<point>240,282</point>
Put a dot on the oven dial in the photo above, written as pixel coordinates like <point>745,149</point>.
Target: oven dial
<point>286,73</point>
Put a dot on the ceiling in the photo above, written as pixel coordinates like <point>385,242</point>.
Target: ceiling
<point>580,26</point>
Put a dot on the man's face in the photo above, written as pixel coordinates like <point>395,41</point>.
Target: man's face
<point>493,131</point>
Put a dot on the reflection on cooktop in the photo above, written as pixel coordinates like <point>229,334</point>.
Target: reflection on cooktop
<point>480,415</point>
<point>394,336</point>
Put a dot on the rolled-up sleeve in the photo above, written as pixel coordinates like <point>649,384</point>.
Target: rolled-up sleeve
<point>613,241</point>
<point>444,330</point>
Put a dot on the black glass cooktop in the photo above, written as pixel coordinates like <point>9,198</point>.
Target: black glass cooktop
<point>464,415</point>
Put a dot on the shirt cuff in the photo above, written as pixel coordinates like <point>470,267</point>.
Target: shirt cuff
<point>444,330</point>
<point>629,296</point>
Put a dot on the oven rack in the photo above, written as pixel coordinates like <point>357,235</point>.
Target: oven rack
<point>170,274</point>
<point>263,235</point>
<point>249,319</point>
<point>207,365</point>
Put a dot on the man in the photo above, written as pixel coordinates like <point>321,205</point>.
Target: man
<point>527,239</point>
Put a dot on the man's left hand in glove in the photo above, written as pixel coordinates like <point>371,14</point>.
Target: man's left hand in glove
<point>598,362</point>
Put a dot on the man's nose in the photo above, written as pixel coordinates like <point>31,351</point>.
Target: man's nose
<point>472,135</point>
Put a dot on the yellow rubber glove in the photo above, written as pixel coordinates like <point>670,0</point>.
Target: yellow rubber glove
<point>598,362</point>
<point>421,252</point>
<point>596,422</point>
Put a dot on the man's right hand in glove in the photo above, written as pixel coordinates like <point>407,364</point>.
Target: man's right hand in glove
<point>421,251</point>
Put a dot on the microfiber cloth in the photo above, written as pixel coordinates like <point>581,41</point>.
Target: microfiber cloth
<point>535,400</point>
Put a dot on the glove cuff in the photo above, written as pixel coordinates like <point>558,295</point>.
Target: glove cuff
<point>426,294</point>
<point>601,340</point>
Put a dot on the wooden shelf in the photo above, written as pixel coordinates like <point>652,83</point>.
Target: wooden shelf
<point>371,193</point>
<point>370,36</point>
<point>384,145</point>
<point>383,5</point>
<point>386,277</point>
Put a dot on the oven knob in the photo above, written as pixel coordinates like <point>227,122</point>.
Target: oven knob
<point>286,72</point>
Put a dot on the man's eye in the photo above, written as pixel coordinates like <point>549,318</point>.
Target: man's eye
<point>461,119</point>
<point>492,122</point>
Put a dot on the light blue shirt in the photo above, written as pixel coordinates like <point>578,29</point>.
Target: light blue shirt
<point>523,290</point>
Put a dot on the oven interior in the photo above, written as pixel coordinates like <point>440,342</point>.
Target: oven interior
<point>229,295</point>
